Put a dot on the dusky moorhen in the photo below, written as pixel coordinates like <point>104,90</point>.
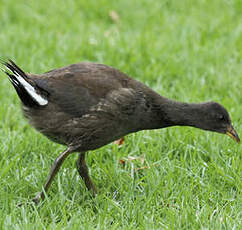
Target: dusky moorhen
<point>86,105</point>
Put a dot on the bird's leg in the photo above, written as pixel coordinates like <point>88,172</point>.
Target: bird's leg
<point>53,171</point>
<point>83,171</point>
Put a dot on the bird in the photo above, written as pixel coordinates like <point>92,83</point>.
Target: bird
<point>87,105</point>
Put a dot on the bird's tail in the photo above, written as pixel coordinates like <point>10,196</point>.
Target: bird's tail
<point>23,85</point>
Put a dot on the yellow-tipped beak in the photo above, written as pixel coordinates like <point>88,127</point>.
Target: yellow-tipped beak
<point>232,133</point>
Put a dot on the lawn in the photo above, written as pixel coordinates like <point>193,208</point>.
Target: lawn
<point>176,178</point>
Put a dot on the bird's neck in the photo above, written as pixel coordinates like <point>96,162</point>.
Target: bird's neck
<point>166,113</point>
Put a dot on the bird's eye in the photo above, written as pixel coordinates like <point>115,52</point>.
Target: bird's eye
<point>221,117</point>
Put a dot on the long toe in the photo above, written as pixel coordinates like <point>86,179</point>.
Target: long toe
<point>37,198</point>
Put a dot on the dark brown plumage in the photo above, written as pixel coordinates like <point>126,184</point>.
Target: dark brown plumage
<point>85,106</point>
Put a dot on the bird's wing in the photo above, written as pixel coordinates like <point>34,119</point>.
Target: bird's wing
<point>78,89</point>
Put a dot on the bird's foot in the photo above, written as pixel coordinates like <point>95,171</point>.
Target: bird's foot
<point>36,201</point>
<point>38,198</point>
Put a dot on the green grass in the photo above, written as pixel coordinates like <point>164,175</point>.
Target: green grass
<point>186,50</point>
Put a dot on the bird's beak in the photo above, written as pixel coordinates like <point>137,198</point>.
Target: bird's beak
<point>232,133</point>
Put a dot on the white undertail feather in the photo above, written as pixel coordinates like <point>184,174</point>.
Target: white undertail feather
<point>30,89</point>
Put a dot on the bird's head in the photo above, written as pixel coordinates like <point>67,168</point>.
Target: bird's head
<point>217,119</point>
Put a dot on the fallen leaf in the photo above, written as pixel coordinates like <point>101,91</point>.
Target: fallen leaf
<point>122,162</point>
<point>141,168</point>
<point>139,158</point>
<point>145,167</point>
<point>131,158</point>
<point>114,16</point>
<point>119,141</point>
